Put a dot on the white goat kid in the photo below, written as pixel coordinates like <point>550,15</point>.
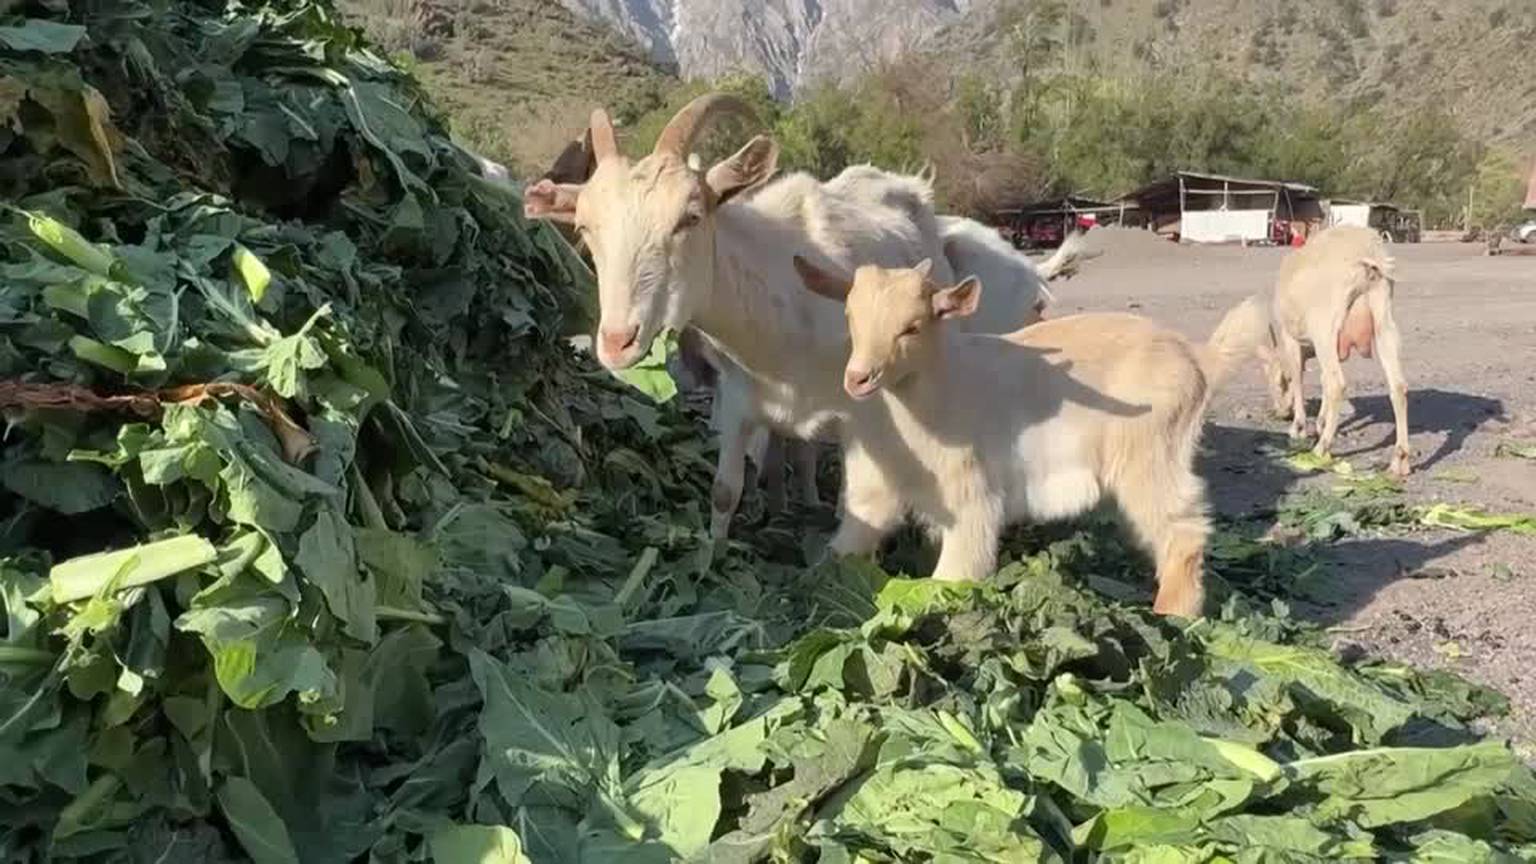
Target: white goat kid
<point>971,248</point>
<point>674,247</point>
<point>969,433</point>
<point>1334,296</point>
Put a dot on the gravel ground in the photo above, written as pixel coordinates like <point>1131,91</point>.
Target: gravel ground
<point>1436,599</point>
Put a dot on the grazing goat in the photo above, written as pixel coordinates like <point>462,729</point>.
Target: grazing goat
<point>674,247</point>
<point>971,432</point>
<point>1333,297</point>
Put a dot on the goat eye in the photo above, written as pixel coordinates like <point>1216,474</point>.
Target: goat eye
<point>689,220</point>
<point>910,331</point>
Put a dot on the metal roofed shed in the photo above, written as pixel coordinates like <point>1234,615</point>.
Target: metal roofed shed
<point>1045,224</point>
<point>1395,224</point>
<point>1216,208</point>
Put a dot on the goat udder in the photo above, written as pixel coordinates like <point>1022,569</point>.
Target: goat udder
<point>1358,332</point>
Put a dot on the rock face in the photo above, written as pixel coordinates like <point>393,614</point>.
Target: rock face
<point>791,42</point>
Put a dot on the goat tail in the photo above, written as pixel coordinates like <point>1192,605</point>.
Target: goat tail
<point>1067,259</point>
<point>1241,334</point>
<point>1379,267</point>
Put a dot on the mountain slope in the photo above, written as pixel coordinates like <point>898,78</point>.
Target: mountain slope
<point>518,77</point>
<point>1472,57</point>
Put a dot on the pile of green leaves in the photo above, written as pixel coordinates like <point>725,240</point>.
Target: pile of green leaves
<point>318,544</point>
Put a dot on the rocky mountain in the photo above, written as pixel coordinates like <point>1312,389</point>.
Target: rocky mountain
<point>1475,57</point>
<point>789,42</point>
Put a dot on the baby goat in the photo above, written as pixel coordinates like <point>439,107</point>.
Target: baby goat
<point>970,432</point>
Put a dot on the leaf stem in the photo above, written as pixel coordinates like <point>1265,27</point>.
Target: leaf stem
<point>389,613</point>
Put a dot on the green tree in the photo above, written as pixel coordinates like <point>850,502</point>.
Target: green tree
<point>1034,32</point>
<point>813,134</point>
<point>1498,189</point>
<point>979,109</point>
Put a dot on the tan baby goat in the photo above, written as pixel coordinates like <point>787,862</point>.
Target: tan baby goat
<point>969,433</point>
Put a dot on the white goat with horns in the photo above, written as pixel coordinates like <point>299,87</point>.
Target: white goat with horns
<point>674,246</point>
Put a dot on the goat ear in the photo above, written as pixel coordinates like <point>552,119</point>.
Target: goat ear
<point>547,199</point>
<point>819,281</point>
<point>959,301</point>
<point>749,167</point>
<point>923,268</point>
<point>575,163</point>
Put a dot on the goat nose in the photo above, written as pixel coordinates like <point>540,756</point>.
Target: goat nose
<point>616,342</point>
<point>855,379</point>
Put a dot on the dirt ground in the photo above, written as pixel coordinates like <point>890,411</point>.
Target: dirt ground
<point>1437,599</point>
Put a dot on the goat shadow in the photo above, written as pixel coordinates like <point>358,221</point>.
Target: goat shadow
<point>1456,416</point>
<point>1247,487</point>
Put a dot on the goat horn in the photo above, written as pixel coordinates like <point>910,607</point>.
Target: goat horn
<point>601,129</point>
<point>681,131</point>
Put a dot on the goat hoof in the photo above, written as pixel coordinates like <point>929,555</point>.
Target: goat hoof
<point>1400,467</point>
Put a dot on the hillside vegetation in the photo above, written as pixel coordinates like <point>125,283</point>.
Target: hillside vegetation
<point>1395,100</point>
<point>517,77</point>
<point>1473,58</point>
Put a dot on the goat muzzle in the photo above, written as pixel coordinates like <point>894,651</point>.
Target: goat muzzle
<point>614,346</point>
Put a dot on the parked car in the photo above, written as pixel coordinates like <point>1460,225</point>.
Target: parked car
<point>1526,233</point>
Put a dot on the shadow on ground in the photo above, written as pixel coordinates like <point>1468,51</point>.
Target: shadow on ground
<point>1430,412</point>
<point>1248,485</point>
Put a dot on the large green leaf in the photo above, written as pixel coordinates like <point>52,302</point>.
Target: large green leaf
<point>44,37</point>
<point>1403,785</point>
<point>557,747</point>
<point>260,653</point>
<point>71,488</point>
<point>328,557</point>
<point>258,826</point>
